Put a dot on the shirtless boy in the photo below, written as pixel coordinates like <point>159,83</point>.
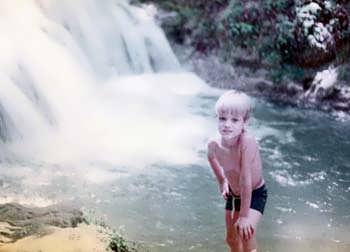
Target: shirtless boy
<point>235,160</point>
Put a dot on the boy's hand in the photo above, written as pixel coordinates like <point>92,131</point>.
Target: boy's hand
<point>224,189</point>
<point>244,228</point>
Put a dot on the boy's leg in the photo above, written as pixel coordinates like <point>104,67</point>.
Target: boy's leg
<point>251,245</point>
<point>232,238</point>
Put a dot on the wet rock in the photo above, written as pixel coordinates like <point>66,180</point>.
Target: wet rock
<point>208,67</point>
<point>166,18</point>
<point>17,221</point>
<point>323,86</point>
<point>260,84</point>
<point>344,106</point>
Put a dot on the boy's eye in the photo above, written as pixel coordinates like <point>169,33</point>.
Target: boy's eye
<point>221,118</point>
<point>234,119</point>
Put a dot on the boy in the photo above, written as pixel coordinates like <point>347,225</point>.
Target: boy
<point>235,160</point>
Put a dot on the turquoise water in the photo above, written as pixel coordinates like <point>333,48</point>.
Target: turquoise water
<point>306,159</point>
<point>164,207</point>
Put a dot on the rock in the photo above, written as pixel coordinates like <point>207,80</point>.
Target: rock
<point>344,93</point>
<point>323,92</point>
<point>166,18</point>
<point>260,84</point>
<point>342,106</point>
<point>18,221</point>
<point>323,85</point>
<point>342,100</point>
<point>208,67</point>
<point>86,238</point>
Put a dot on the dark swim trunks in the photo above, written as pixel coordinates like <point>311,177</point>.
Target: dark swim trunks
<point>258,201</point>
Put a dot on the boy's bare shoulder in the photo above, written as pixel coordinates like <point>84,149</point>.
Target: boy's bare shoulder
<point>213,142</point>
<point>248,141</point>
<point>212,145</point>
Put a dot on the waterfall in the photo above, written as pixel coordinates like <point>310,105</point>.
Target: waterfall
<point>93,80</point>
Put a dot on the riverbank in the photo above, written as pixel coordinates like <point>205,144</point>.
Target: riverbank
<point>225,63</point>
<point>54,229</point>
<point>84,237</point>
<point>326,94</point>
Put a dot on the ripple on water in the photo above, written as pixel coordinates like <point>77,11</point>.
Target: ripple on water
<point>285,209</point>
<point>284,178</point>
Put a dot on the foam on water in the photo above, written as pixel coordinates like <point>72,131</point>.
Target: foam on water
<point>27,201</point>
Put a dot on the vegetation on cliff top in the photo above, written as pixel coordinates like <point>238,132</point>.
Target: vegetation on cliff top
<point>290,38</point>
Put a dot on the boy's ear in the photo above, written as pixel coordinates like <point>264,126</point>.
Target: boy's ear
<point>245,124</point>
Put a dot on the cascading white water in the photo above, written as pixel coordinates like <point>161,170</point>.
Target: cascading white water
<point>90,80</point>
<point>322,84</point>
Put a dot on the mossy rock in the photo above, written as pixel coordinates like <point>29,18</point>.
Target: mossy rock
<point>19,221</point>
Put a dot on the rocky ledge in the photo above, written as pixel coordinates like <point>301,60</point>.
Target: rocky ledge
<point>17,221</point>
<point>56,228</point>
<point>323,92</point>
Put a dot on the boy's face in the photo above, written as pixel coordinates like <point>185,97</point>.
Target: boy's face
<point>230,125</point>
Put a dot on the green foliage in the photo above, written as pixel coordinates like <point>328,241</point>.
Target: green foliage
<point>243,33</point>
<point>287,72</point>
<point>116,242</point>
<point>240,31</point>
<point>284,28</point>
<point>119,244</point>
<point>266,29</point>
<point>275,6</point>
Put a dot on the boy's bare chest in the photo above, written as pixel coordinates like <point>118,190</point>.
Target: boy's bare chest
<point>228,159</point>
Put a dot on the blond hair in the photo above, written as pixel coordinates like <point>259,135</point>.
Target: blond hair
<point>236,102</point>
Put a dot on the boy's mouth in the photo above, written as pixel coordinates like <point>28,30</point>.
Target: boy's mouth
<point>227,131</point>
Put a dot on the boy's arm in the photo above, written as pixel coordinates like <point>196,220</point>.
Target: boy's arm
<point>245,181</point>
<point>243,225</point>
<point>214,164</point>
